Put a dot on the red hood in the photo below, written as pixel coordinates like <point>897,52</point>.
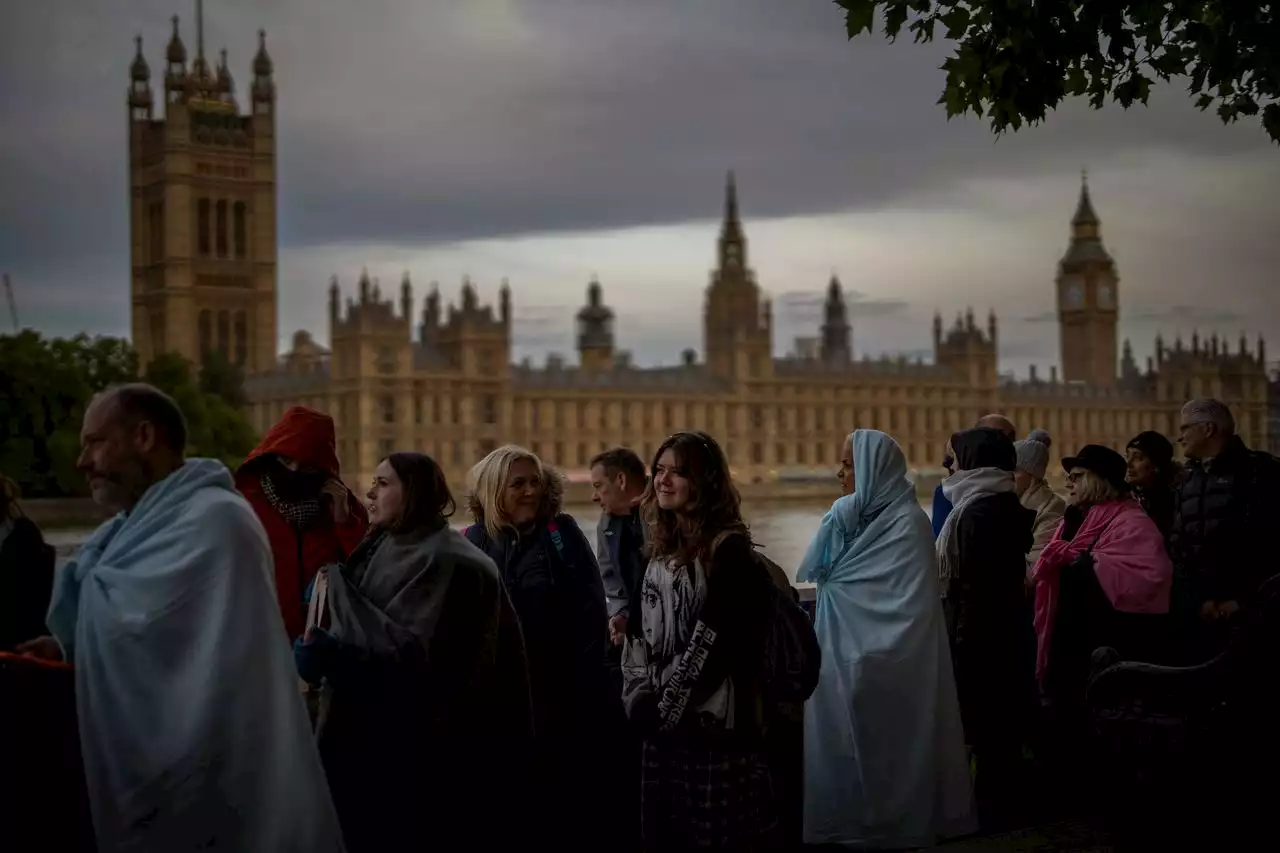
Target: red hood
<point>306,436</point>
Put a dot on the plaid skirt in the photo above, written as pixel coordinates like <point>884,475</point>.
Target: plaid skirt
<point>705,797</point>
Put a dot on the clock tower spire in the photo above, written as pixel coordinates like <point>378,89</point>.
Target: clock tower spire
<point>1088,305</point>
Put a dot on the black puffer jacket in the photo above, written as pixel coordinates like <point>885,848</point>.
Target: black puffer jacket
<point>26,582</point>
<point>554,582</point>
<point>1222,544</point>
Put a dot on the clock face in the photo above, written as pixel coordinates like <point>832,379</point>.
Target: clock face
<point>1074,295</point>
<point>1106,298</point>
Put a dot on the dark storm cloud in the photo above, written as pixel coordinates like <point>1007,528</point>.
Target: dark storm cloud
<point>411,121</point>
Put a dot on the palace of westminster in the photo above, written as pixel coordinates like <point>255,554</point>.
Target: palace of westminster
<point>203,223</point>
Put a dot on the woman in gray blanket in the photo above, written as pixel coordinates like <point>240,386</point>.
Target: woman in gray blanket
<point>427,722</point>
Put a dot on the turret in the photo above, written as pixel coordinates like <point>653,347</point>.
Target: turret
<point>264,88</point>
<point>504,303</point>
<point>836,346</point>
<point>140,103</point>
<point>595,331</point>
<point>364,286</point>
<point>334,305</point>
<point>430,327</point>
<point>406,298</point>
<point>175,70</point>
<point>224,84</point>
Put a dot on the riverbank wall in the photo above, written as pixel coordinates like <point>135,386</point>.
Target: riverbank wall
<point>59,513</point>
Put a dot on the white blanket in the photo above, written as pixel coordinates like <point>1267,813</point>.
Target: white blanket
<point>194,733</point>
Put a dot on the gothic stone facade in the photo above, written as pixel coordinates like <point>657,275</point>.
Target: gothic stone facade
<point>202,204</point>
<point>452,391</point>
<point>203,227</point>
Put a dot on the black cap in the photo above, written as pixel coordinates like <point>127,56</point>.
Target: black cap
<point>1103,461</point>
<point>1154,446</point>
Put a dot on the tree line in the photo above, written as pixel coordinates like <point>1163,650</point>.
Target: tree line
<point>46,383</point>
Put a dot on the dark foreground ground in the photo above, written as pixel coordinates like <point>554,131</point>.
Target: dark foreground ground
<point>1065,837</point>
<point>1058,837</point>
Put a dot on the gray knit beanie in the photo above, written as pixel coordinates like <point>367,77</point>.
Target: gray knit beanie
<point>1033,457</point>
<point>1042,436</point>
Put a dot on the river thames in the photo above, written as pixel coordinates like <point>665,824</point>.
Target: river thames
<point>782,530</point>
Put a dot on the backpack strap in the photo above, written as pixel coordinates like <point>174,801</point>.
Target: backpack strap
<point>717,542</point>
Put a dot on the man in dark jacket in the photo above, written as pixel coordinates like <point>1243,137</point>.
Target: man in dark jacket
<point>982,561</point>
<point>1221,544</point>
<point>617,484</point>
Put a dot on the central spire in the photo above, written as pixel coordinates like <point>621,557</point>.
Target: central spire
<point>733,244</point>
<point>200,30</point>
<point>730,199</point>
<point>1085,214</point>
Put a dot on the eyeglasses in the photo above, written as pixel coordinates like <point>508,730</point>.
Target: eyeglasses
<point>1075,476</point>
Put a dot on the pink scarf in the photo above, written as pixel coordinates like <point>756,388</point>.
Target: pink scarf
<point>1129,559</point>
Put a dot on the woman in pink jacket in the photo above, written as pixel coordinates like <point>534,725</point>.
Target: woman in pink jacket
<point>1102,580</point>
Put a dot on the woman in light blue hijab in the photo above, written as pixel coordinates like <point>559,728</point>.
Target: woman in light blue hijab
<point>885,763</point>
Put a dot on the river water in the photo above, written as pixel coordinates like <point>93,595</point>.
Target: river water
<point>783,531</point>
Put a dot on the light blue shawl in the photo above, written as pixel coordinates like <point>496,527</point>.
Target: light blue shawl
<point>885,762</point>
<point>193,730</point>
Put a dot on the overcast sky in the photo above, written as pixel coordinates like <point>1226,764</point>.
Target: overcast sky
<point>548,140</point>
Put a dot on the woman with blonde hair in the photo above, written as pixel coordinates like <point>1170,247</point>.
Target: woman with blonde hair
<point>547,565</point>
<point>1104,580</point>
<point>1107,558</point>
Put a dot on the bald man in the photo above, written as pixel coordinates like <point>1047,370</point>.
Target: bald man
<point>999,423</point>
<point>194,733</point>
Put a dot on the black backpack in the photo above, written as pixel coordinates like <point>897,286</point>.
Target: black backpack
<point>792,658</point>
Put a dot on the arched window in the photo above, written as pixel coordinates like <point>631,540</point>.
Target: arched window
<point>242,338</point>
<point>224,334</point>
<point>202,225</point>
<point>240,229</point>
<point>206,334</point>
<point>220,237</point>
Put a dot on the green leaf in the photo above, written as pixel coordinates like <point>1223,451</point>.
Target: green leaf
<point>895,13</point>
<point>957,22</point>
<point>1271,121</point>
<point>859,16</point>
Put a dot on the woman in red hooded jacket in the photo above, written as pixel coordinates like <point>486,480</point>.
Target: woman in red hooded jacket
<point>291,479</point>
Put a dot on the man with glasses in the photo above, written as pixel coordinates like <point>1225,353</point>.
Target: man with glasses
<point>1221,545</point>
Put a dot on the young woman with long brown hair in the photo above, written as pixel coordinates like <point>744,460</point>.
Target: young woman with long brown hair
<point>692,681</point>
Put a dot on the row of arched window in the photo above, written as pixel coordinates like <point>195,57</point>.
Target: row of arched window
<point>222,228</point>
<point>226,333</point>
